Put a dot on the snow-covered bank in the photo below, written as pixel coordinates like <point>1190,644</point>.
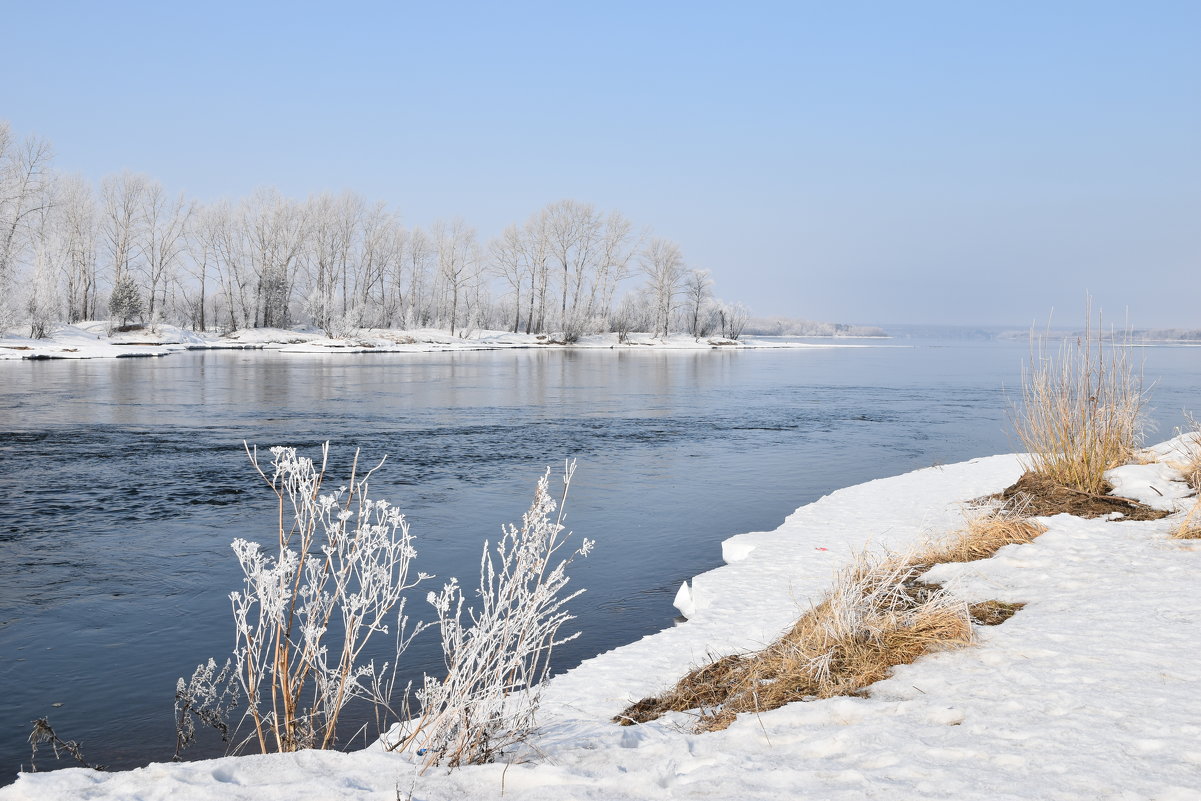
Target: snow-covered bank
<point>1090,691</point>
<point>92,340</point>
<point>427,340</point>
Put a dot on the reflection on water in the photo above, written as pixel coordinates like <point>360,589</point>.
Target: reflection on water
<point>122,483</point>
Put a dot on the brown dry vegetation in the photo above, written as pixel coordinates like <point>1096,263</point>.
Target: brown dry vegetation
<point>988,530</point>
<point>1189,528</point>
<point>1081,410</point>
<point>871,622</point>
<point>879,615</point>
<point>1043,497</point>
<point>993,613</point>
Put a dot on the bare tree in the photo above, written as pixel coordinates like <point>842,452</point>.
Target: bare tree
<point>698,290</point>
<point>663,266</point>
<point>161,235</point>
<point>44,294</point>
<point>418,258</point>
<point>277,229</point>
<point>121,219</point>
<point>618,246</point>
<point>24,193</point>
<point>573,230</point>
<point>77,222</point>
<point>459,265</point>
<point>510,262</point>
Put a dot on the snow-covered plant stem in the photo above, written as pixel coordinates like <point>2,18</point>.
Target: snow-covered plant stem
<point>497,658</point>
<point>341,566</point>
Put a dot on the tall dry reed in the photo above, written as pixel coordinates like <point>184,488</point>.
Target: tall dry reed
<point>1081,409</point>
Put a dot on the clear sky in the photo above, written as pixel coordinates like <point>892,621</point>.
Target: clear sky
<point>873,162</point>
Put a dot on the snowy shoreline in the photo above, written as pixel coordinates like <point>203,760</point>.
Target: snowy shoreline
<point>1091,690</point>
<point>92,341</point>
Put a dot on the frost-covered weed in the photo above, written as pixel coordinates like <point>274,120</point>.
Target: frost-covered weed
<point>307,610</point>
<point>209,697</point>
<point>337,576</point>
<point>498,656</point>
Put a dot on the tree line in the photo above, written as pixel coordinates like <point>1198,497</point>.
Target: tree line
<point>129,250</point>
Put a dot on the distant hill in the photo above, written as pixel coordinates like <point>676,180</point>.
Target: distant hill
<point>795,327</point>
<point>1134,334</point>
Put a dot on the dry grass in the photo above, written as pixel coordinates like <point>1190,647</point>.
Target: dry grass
<point>878,615</point>
<point>993,613</point>
<point>1189,528</point>
<point>1191,467</point>
<point>987,529</point>
<point>871,621</point>
<point>1081,410</point>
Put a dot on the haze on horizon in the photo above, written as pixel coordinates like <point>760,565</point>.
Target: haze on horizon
<point>927,162</point>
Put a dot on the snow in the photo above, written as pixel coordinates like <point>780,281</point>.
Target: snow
<point>92,340</point>
<point>1090,691</point>
<point>88,341</point>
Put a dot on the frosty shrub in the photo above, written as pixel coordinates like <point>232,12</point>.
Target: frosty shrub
<point>307,609</point>
<point>497,653</point>
<point>125,302</point>
<point>209,697</point>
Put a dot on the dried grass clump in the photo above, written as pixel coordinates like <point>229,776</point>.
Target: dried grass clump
<point>1191,468</point>
<point>1190,527</point>
<point>988,529</point>
<point>993,613</point>
<point>871,621</point>
<point>1081,410</point>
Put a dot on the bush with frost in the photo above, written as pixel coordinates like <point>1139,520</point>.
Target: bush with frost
<point>336,576</point>
<point>498,651</point>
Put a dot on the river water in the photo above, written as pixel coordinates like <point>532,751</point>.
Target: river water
<point>122,483</point>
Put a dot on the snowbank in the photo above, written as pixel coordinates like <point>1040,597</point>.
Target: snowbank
<point>1090,691</point>
<point>92,340</point>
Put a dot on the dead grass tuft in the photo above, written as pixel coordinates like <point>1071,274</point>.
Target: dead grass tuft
<point>1081,409</point>
<point>988,529</point>
<point>1043,497</point>
<point>1190,527</point>
<point>871,622</point>
<point>993,613</point>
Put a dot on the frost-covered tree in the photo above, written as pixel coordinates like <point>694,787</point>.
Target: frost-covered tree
<point>161,240</point>
<point>459,266</point>
<point>44,294</point>
<point>125,302</point>
<point>76,220</point>
<point>663,266</point>
<point>122,220</point>
<point>25,179</point>
<point>698,291</point>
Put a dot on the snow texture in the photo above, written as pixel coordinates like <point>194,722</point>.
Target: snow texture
<point>1090,691</point>
<point>91,340</point>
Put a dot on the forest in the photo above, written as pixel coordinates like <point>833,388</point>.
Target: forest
<point>131,251</point>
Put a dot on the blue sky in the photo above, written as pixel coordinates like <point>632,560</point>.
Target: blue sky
<point>955,162</point>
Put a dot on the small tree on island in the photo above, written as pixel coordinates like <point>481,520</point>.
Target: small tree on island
<point>125,302</point>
